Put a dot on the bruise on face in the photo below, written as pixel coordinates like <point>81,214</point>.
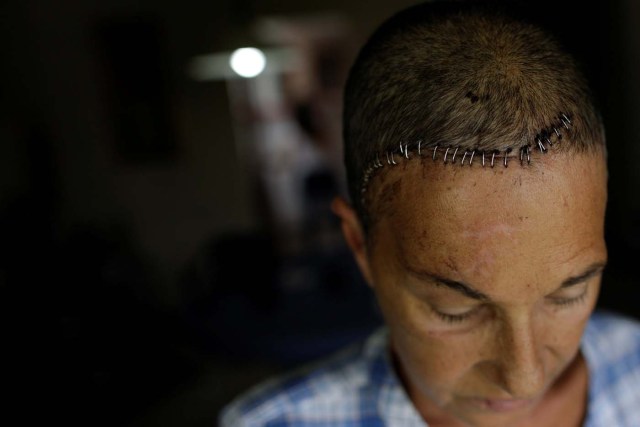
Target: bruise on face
<point>484,260</point>
<point>381,198</point>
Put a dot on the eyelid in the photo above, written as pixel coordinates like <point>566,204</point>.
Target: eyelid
<point>456,317</point>
<point>453,319</point>
<point>561,300</point>
<point>566,302</point>
<point>570,292</point>
<point>454,309</point>
<point>455,313</point>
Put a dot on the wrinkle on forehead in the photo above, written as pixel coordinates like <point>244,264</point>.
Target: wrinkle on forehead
<point>487,231</point>
<point>457,193</point>
<point>480,224</point>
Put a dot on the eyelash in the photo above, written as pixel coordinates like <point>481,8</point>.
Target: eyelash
<point>566,302</point>
<point>454,318</point>
<point>459,318</point>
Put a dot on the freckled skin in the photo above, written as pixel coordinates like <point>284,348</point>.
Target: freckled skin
<point>514,235</point>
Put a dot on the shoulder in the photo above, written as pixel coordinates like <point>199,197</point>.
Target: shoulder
<point>331,391</point>
<point>611,337</point>
<point>611,346</point>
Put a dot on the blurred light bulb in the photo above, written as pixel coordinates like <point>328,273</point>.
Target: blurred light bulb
<point>248,61</point>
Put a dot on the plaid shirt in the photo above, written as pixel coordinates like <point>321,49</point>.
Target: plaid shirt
<point>358,387</point>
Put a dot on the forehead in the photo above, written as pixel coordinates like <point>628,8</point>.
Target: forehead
<point>471,219</point>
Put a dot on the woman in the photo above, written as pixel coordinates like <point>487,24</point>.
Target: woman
<point>477,171</point>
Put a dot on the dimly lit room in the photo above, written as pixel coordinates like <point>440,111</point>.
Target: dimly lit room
<point>168,171</point>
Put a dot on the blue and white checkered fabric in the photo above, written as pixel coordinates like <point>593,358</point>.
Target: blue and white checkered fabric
<point>358,387</point>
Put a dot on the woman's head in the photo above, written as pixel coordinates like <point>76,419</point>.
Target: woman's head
<point>465,76</point>
<point>486,276</point>
<point>486,279</point>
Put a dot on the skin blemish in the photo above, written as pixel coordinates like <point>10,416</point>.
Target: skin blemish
<point>484,259</point>
<point>449,262</point>
<point>387,195</point>
<point>482,264</point>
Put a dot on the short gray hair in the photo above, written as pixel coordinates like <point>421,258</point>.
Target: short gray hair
<point>463,75</point>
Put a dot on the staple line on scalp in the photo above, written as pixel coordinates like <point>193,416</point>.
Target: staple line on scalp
<point>540,140</point>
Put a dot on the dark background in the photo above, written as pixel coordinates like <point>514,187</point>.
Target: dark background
<point>140,283</point>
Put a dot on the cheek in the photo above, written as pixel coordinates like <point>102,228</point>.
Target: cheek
<point>564,327</point>
<point>431,361</point>
<point>563,331</point>
<point>439,368</point>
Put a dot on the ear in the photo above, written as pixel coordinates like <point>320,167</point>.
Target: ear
<point>354,235</point>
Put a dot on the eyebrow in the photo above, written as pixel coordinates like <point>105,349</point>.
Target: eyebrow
<point>591,271</point>
<point>472,293</point>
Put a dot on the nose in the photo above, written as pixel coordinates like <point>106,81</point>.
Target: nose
<point>520,360</point>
